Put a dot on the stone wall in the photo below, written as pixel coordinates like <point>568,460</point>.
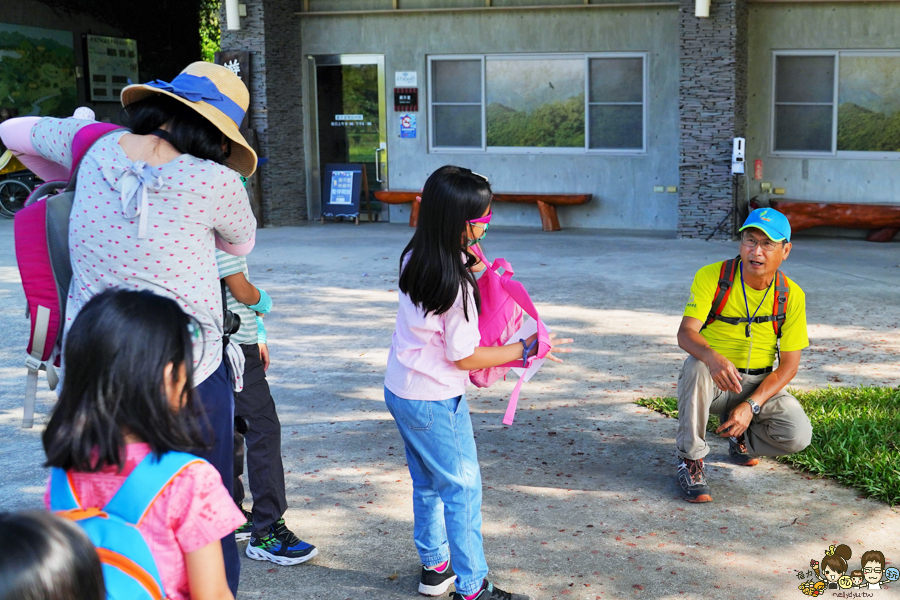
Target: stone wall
<point>271,33</point>
<point>713,99</point>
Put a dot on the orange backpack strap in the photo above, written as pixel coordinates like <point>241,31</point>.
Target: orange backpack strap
<point>779,310</point>
<point>726,282</point>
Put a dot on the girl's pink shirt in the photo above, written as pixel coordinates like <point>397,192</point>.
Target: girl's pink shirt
<point>424,348</point>
<point>193,511</point>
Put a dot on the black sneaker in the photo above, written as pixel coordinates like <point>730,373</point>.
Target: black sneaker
<point>692,481</point>
<point>280,546</point>
<point>242,533</point>
<point>737,450</point>
<point>489,592</point>
<point>435,583</point>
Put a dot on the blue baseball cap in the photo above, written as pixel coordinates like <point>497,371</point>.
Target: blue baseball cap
<point>771,222</point>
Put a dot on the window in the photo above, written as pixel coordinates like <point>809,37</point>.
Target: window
<point>544,103</point>
<point>456,94</point>
<point>617,103</point>
<point>844,102</point>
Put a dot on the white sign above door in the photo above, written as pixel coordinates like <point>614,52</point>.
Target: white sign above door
<point>406,79</point>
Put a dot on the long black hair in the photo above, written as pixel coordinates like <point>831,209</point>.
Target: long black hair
<point>435,271</point>
<point>45,557</point>
<point>115,356</point>
<point>188,131</point>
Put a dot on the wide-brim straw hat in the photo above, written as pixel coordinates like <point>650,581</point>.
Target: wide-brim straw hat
<point>216,93</point>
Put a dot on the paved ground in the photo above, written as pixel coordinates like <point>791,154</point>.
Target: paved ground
<point>580,500</point>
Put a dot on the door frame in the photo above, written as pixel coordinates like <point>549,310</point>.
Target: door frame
<point>313,168</point>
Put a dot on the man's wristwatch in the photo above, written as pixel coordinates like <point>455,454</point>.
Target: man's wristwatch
<point>754,407</point>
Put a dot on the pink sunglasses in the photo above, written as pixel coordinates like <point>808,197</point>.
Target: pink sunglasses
<point>485,219</point>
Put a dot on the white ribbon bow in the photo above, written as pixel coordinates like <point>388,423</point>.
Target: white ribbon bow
<point>138,178</point>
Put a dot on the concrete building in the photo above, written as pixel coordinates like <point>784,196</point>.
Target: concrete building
<point>637,103</point>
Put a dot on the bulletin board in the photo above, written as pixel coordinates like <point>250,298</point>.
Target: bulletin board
<point>341,190</point>
<point>111,63</point>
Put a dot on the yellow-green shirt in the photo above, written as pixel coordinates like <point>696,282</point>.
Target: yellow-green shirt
<point>730,340</point>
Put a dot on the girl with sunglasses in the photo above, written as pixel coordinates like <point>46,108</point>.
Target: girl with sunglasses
<point>435,345</point>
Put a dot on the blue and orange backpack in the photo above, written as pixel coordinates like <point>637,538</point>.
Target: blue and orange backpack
<point>129,569</point>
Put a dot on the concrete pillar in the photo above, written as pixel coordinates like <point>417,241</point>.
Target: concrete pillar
<point>712,95</point>
<point>271,33</point>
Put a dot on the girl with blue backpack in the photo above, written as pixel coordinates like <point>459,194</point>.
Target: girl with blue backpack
<point>119,441</point>
<point>435,345</point>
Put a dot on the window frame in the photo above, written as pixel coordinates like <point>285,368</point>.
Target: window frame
<point>585,150</point>
<point>834,152</point>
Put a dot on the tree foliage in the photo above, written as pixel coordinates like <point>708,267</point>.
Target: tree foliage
<point>210,33</point>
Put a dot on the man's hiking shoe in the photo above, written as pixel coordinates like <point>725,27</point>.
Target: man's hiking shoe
<point>737,450</point>
<point>692,480</point>
<point>435,583</point>
<point>242,533</point>
<point>280,546</point>
<point>490,592</point>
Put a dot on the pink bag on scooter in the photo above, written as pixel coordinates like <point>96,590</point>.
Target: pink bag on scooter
<point>503,301</point>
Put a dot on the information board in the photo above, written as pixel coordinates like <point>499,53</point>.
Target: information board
<point>111,63</point>
<point>341,185</point>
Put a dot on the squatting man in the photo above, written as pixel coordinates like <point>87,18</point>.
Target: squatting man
<point>742,315</point>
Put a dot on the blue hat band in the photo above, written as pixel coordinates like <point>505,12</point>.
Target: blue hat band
<point>194,88</point>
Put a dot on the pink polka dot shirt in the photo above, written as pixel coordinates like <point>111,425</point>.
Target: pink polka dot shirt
<point>163,242</point>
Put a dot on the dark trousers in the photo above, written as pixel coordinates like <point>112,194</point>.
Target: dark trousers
<point>262,434</point>
<point>217,397</point>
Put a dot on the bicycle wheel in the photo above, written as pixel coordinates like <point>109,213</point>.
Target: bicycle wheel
<point>13,195</point>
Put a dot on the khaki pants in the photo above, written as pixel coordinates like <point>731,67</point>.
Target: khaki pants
<point>781,427</point>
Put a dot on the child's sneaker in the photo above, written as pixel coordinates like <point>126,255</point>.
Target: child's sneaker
<point>489,592</point>
<point>242,533</point>
<point>280,546</point>
<point>434,582</point>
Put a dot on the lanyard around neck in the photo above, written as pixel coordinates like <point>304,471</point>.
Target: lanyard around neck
<point>747,305</point>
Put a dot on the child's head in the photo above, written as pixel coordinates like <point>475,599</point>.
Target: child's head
<point>872,565</point>
<point>45,557</point>
<point>857,577</point>
<point>835,564</point>
<point>129,370</point>
<point>452,197</point>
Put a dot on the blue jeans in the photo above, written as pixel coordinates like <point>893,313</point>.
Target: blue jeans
<point>443,464</point>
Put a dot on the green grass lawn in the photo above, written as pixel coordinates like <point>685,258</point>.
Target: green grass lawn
<point>856,437</point>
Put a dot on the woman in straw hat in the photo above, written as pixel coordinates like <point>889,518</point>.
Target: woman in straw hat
<point>151,206</point>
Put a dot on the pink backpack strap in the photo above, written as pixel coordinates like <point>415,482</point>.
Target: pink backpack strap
<point>83,141</point>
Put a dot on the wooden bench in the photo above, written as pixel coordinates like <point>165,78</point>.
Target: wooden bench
<point>546,204</point>
<point>883,221</point>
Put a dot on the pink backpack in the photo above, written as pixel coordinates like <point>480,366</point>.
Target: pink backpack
<point>502,303</point>
<point>41,231</point>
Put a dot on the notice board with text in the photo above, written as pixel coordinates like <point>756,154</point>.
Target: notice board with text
<point>341,186</point>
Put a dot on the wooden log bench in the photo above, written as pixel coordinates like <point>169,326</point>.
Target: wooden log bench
<point>882,221</point>
<point>546,204</point>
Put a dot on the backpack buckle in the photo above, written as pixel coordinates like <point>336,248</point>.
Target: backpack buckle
<point>33,364</point>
